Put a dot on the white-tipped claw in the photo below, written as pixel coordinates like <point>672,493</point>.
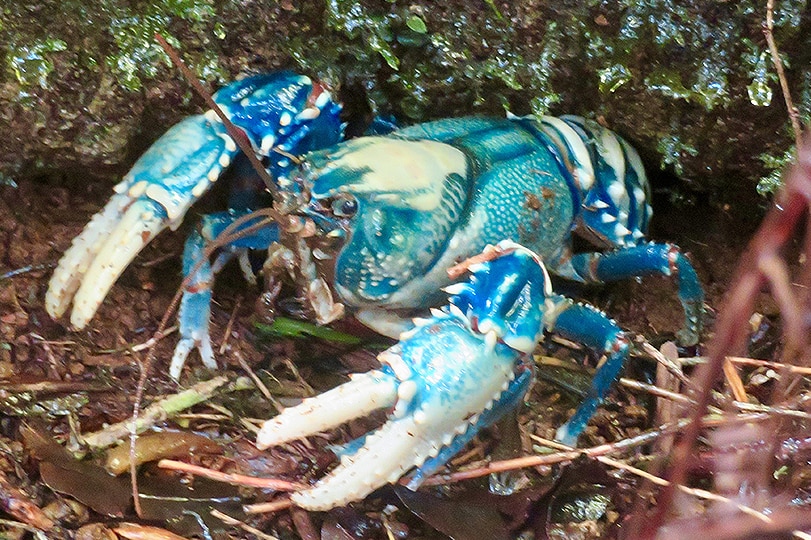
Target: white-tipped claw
<point>73,265</point>
<point>184,347</point>
<point>360,396</point>
<point>139,224</point>
<point>392,450</point>
<point>157,192</point>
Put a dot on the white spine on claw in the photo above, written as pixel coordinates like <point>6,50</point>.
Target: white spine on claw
<point>455,288</point>
<point>322,99</point>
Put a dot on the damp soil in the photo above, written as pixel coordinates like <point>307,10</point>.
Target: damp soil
<point>64,382</point>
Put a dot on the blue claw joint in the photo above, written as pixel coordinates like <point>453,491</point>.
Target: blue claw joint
<point>506,296</point>
<point>448,377</point>
<point>283,114</point>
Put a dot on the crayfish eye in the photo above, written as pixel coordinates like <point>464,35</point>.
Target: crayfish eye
<point>344,206</point>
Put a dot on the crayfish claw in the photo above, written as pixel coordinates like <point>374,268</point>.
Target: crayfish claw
<point>155,193</point>
<point>73,265</point>
<point>363,394</point>
<point>386,455</point>
<point>141,222</point>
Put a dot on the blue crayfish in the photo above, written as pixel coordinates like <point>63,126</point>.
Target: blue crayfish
<point>385,217</point>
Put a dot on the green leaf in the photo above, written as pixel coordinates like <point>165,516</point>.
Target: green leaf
<point>416,24</point>
<point>290,328</point>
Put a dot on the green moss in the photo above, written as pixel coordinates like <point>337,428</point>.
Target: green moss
<point>778,165</point>
<point>673,150</point>
<point>355,21</point>
<point>688,81</point>
<point>125,30</point>
<point>31,63</point>
<point>137,54</point>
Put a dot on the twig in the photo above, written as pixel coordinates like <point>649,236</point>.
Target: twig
<point>159,411</point>
<point>656,391</point>
<point>263,389</point>
<point>593,452</point>
<point>268,507</point>
<point>781,411</point>
<point>228,327</point>
<point>699,493</point>
<point>234,479</point>
<point>550,459</point>
<point>772,267</point>
<point>657,355</point>
<point>234,522</point>
<point>23,526</point>
<point>135,531</point>
<point>26,269</point>
<point>793,114</point>
<point>151,342</point>
<point>787,368</point>
<point>734,380</point>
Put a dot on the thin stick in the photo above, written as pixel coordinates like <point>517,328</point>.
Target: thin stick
<point>228,327</point>
<point>233,131</point>
<point>551,459</point>
<point>234,522</point>
<point>656,391</point>
<point>668,363</point>
<point>234,479</point>
<point>260,384</point>
<point>788,368</point>
<point>593,452</point>
<point>793,114</point>
<point>268,507</point>
<point>734,381</point>
<point>159,411</point>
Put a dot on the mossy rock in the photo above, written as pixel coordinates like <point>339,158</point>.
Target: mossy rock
<point>85,87</point>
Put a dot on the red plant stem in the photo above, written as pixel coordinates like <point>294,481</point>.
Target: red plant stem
<point>731,328</point>
<point>228,478</point>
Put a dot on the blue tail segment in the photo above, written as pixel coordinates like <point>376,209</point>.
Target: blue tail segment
<point>644,259</point>
<point>591,327</point>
